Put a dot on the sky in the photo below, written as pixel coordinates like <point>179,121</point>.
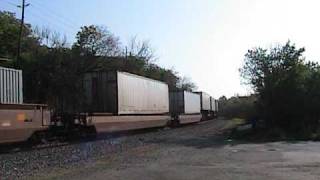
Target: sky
<point>205,40</point>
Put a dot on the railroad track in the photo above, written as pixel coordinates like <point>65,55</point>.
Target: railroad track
<point>29,146</point>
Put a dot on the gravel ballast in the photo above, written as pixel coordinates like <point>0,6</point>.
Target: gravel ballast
<point>29,163</point>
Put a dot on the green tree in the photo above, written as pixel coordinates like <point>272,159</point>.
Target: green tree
<point>185,83</point>
<point>286,85</point>
<point>237,107</point>
<point>9,33</point>
<point>97,41</point>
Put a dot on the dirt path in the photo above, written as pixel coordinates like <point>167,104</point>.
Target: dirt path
<point>202,152</point>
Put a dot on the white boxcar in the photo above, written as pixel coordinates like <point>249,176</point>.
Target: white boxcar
<point>205,101</point>
<point>217,105</point>
<point>119,101</point>
<point>123,93</point>
<point>10,86</point>
<point>191,103</point>
<point>140,95</point>
<point>184,102</point>
<point>213,104</point>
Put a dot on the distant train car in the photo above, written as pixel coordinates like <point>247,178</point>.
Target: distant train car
<point>18,121</point>
<point>118,101</point>
<point>10,86</point>
<point>185,107</point>
<point>217,107</point>
<point>212,108</point>
<point>205,105</point>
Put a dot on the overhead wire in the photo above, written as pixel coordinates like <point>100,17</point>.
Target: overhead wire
<point>53,13</point>
<point>52,19</point>
<point>51,24</point>
<point>10,3</point>
<point>39,10</point>
<point>50,14</point>
<point>46,11</point>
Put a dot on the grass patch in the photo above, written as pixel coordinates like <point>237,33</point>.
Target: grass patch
<point>270,135</point>
<point>238,121</point>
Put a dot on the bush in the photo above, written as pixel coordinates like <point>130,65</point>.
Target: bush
<point>287,88</point>
<point>237,107</point>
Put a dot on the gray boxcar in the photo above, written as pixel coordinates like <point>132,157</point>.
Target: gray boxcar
<point>213,104</point>
<point>185,106</point>
<point>184,102</point>
<point>217,106</point>
<point>213,108</point>
<point>205,105</point>
<point>10,86</point>
<point>112,98</point>
<point>205,101</point>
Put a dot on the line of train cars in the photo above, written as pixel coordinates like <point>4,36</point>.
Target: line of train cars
<point>114,101</point>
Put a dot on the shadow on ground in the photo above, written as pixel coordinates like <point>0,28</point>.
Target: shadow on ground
<point>209,141</point>
<point>261,136</point>
<point>232,137</point>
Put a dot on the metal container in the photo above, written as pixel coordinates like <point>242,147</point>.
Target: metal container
<point>123,93</point>
<point>10,86</point>
<point>18,122</point>
<point>217,105</point>
<point>184,102</point>
<point>104,123</point>
<point>189,118</point>
<point>205,101</point>
<point>213,104</point>
<point>140,95</point>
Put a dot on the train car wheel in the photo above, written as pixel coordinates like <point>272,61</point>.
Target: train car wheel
<point>36,138</point>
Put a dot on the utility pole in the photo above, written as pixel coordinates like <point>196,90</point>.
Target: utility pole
<point>20,33</point>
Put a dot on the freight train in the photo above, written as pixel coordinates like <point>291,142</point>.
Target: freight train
<point>113,101</point>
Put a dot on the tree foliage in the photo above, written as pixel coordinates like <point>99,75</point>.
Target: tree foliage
<point>141,49</point>
<point>287,85</point>
<point>238,107</point>
<point>185,83</point>
<point>97,41</point>
<point>9,34</point>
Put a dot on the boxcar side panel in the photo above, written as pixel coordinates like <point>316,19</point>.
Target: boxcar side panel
<point>192,103</point>
<point>213,104</point>
<point>205,101</point>
<point>19,122</point>
<point>100,89</point>
<point>10,86</point>
<point>140,95</point>
<point>176,102</point>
